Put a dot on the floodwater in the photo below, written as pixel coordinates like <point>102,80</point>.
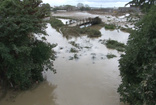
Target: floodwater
<point>109,19</point>
<point>90,78</point>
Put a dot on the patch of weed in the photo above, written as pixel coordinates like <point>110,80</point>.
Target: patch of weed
<point>112,44</point>
<point>73,50</point>
<point>56,23</point>
<point>109,56</point>
<point>110,26</point>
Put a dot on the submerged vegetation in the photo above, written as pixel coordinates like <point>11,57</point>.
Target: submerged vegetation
<point>129,30</point>
<point>76,31</point>
<point>112,44</point>
<point>75,44</point>
<point>109,56</point>
<point>75,56</point>
<point>110,26</point>
<point>73,50</point>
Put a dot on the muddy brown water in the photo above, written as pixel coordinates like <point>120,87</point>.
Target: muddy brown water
<point>92,79</point>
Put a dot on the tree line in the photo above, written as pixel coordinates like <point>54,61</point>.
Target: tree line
<point>79,7</point>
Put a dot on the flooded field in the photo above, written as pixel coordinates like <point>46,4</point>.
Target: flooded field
<point>84,77</point>
<point>123,20</point>
<point>90,78</point>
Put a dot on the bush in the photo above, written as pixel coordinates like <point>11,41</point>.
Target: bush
<point>112,44</point>
<point>129,30</point>
<point>94,33</point>
<point>73,50</point>
<point>110,26</point>
<point>56,23</point>
<point>109,56</point>
<point>76,31</point>
<point>89,31</point>
<point>138,64</point>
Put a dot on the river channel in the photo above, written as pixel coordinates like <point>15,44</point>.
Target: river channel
<point>89,79</point>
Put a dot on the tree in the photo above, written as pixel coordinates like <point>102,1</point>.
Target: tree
<point>47,9</point>
<point>80,5</point>
<point>69,7</point>
<point>143,4</point>
<point>87,8</point>
<point>22,56</point>
<point>138,64</point>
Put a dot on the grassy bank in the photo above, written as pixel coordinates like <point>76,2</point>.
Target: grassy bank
<point>55,23</point>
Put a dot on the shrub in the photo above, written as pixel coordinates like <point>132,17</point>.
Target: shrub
<point>129,30</point>
<point>109,56</point>
<point>94,33</point>
<point>110,26</point>
<point>73,50</point>
<point>138,64</point>
<point>112,44</point>
<point>56,23</point>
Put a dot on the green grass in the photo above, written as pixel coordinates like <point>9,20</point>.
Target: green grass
<point>110,26</point>
<point>94,33</point>
<point>112,44</point>
<point>129,30</point>
<point>89,31</point>
<point>55,23</point>
<point>109,56</point>
<point>76,31</point>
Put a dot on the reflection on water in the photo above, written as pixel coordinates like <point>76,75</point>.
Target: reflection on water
<point>115,35</point>
<point>92,79</point>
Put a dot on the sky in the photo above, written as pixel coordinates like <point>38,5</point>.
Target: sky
<point>91,3</point>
